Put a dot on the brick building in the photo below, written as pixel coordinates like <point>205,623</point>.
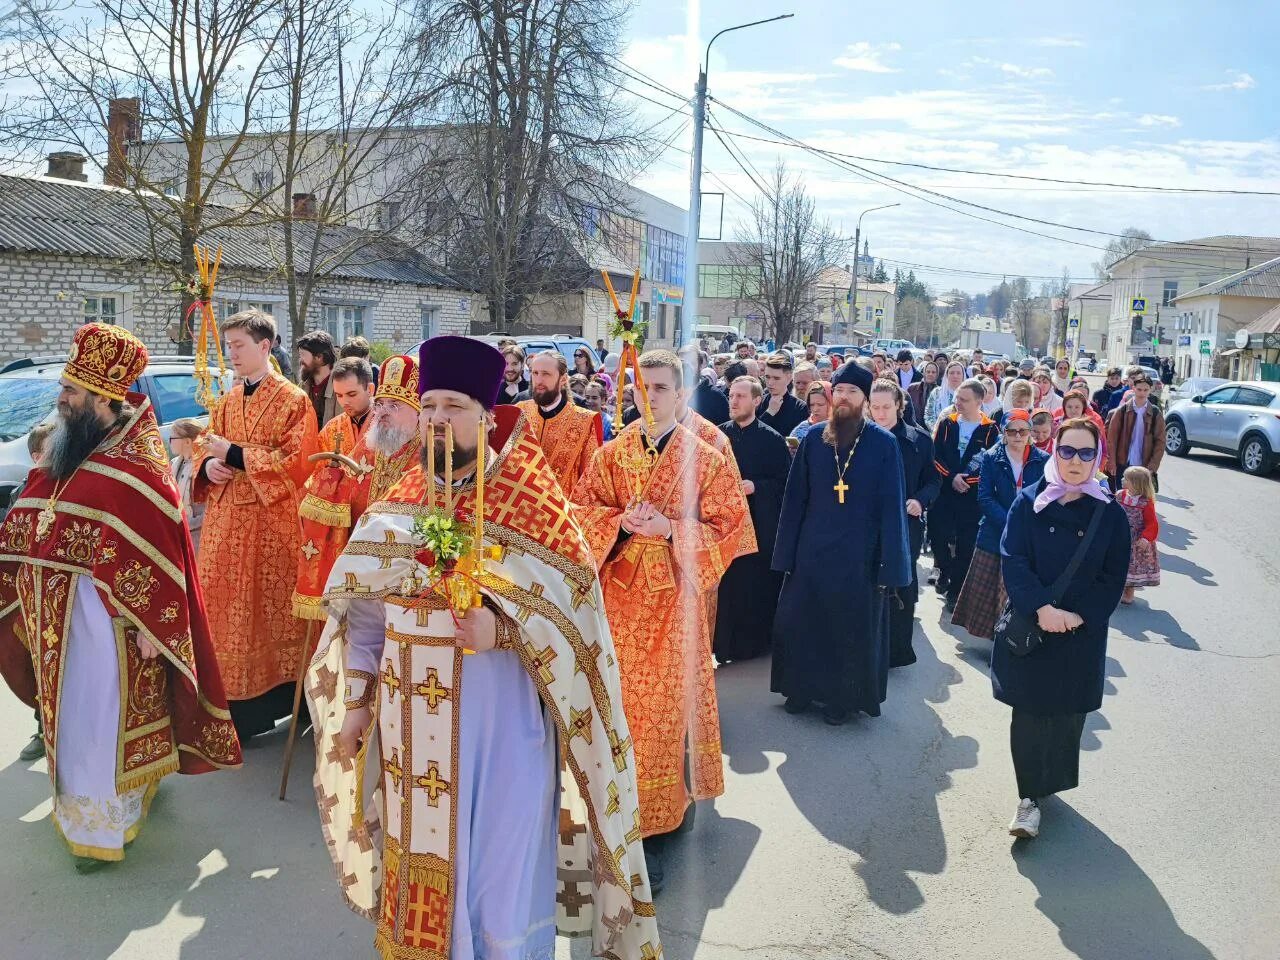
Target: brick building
<point>72,252</point>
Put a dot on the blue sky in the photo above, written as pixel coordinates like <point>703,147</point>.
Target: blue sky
<point>1167,94</point>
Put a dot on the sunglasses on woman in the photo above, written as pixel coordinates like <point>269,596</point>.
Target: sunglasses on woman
<point>1086,454</point>
<point>1017,432</point>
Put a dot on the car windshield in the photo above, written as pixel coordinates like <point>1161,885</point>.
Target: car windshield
<point>24,402</point>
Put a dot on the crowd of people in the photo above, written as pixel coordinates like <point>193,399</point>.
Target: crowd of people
<point>486,567</point>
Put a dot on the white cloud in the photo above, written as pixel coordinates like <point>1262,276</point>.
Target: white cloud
<point>1013,69</point>
<point>1026,72</point>
<point>1058,42</point>
<point>1240,81</point>
<point>866,57</point>
<point>1158,120</point>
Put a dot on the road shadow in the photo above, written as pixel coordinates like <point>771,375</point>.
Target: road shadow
<point>1230,462</point>
<point>1140,621</point>
<point>1182,502</point>
<point>220,869</point>
<point>880,799</point>
<point>1104,906</point>
<point>702,868</point>
<point>1175,537</point>
<point>1172,563</point>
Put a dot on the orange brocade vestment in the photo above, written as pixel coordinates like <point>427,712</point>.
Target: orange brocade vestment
<point>653,593</point>
<point>568,439</point>
<point>250,540</point>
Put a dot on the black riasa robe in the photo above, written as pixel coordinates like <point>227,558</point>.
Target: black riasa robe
<point>831,632</point>
<point>749,589</point>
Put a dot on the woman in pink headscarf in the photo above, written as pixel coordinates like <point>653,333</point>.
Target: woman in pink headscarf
<point>1053,687</point>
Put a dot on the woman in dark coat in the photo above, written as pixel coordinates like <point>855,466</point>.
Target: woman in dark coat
<point>1010,465</point>
<point>1052,688</point>
<point>920,483</point>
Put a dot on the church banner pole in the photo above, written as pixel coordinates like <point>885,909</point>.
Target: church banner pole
<point>297,702</point>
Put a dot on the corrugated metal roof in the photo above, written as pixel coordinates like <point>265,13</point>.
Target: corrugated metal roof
<point>47,215</point>
<point>1269,322</point>
<point>1260,281</point>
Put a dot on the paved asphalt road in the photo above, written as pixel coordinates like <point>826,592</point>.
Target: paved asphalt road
<point>882,839</point>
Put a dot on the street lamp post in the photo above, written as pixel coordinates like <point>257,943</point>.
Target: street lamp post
<point>853,286</point>
<point>689,305</point>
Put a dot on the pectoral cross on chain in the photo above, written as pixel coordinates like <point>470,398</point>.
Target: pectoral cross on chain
<point>840,489</point>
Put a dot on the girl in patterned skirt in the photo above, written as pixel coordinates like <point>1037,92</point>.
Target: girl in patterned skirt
<point>1139,501</point>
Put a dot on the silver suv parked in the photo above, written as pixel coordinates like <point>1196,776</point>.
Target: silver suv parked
<point>1241,418</point>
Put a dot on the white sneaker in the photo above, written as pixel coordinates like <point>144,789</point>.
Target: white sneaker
<point>1026,823</point>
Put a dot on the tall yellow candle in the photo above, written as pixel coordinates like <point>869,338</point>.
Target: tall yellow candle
<point>448,468</point>
<point>481,443</point>
<point>431,465</point>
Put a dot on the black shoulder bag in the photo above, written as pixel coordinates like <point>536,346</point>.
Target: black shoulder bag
<point>1019,633</point>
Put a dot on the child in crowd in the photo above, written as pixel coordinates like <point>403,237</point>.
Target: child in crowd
<point>182,438</point>
<point>1042,430</point>
<point>1138,497</point>
<point>37,441</point>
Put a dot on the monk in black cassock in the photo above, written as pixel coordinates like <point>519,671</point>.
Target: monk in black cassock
<point>842,543</point>
<point>921,482</point>
<point>749,588</point>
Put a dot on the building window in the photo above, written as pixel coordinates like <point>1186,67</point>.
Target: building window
<point>662,255</point>
<point>1170,293</point>
<point>724,282</point>
<point>392,214</point>
<point>343,320</point>
<point>101,309</point>
<point>226,308</point>
<point>661,333</point>
<point>263,181</point>
<point>430,317</point>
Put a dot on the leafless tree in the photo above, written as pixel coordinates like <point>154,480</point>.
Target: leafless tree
<point>198,70</point>
<point>537,147</point>
<point>240,105</point>
<point>1131,239</point>
<point>1022,309</point>
<point>785,246</point>
<point>351,87</point>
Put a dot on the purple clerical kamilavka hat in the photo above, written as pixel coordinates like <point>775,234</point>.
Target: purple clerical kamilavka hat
<point>462,364</point>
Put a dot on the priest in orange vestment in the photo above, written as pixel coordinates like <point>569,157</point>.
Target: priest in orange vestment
<point>568,434</point>
<point>337,494</point>
<point>664,515</point>
<point>251,474</point>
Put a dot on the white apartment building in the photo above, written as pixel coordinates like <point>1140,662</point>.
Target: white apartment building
<point>1161,272</point>
<point>1208,318</point>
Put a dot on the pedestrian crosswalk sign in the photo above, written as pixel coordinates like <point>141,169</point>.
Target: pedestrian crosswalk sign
<point>879,311</point>
<point>1138,305</point>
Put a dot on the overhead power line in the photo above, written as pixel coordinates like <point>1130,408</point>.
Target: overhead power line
<point>1024,176</point>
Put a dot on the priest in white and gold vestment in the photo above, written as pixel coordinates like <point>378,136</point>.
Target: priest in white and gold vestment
<point>475,773</point>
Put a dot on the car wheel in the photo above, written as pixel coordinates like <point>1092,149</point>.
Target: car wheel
<point>1255,455</point>
<point>1175,439</point>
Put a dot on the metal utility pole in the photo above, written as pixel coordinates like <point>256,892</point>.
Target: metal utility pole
<point>689,305</point>
<point>857,252</point>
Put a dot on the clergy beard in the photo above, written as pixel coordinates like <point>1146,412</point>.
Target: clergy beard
<point>546,398</point>
<point>76,434</point>
<point>843,427</point>
<point>387,439</point>
<point>462,457</point>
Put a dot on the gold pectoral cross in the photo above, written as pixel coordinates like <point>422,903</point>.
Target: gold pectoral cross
<point>840,489</point>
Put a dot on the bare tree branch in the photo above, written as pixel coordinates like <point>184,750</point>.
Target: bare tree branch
<point>783,249</point>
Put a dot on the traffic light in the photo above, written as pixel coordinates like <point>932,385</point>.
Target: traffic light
<point>1137,323</point>
<point>1155,336</point>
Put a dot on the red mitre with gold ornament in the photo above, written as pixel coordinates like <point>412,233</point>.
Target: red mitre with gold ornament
<point>398,380</point>
<point>105,359</point>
